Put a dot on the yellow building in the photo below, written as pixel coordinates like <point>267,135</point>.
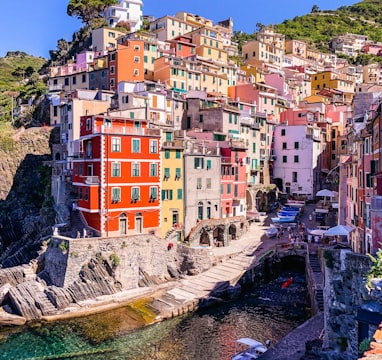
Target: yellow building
<point>332,80</point>
<point>105,38</point>
<point>172,175</point>
<point>187,74</point>
<point>268,47</point>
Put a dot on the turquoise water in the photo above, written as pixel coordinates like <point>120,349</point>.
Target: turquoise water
<point>262,314</point>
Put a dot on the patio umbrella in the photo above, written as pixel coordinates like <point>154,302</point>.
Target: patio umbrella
<point>318,232</point>
<point>325,192</point>
<point>339,230</point>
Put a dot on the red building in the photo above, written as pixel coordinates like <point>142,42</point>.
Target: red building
<point>233,178</point>
<point>117,175</point>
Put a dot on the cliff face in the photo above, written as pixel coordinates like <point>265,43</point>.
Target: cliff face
<point>26,211</point>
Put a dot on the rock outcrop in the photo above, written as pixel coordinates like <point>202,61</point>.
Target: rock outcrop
<point>26,211</point>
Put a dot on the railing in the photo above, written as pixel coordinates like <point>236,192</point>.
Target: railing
<point>125,130</point>
<point>91,180</point>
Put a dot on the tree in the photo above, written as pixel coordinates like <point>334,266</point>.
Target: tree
<point>315,9</point>
<point>89,10</point>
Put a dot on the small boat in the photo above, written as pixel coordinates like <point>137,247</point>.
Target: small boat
<point>271,232</point>
<point>287,283</point>
<point>249,349</point>
<point>286,213</point>
<point>285,219</point>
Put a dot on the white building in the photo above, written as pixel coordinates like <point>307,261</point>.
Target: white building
<point>297,152</point>
<point>129,11</point>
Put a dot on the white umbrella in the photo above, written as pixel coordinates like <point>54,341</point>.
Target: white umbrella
<point>340,230</point>
<point>325,192</point>
<point>318,232</point>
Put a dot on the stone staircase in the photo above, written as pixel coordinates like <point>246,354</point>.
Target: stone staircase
<point>315,266</point>
<point>320,299</point>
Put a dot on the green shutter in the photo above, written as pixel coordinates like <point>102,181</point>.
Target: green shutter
<point>180,194</point>
<point>170,197</point>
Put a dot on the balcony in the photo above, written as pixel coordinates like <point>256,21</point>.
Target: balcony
<point>175,144</point>
<point>227,161</point>
<point>91,180</point>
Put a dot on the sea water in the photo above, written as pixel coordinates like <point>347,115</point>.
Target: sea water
<point>263,313</point>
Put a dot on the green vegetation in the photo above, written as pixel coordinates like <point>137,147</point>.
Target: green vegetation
<point>319,27</point>
<point>328,256</point>
<point>63,246</point>
<point>21,78</point>
<point>376,268</point>
<point>115,260</point>
<point>364,345</point>
<point>89,11</point>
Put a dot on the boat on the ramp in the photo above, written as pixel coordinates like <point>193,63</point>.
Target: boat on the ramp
<point>249,349</point>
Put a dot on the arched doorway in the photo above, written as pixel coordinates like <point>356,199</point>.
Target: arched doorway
<point>138,223</point>
<point>204,238</point>
<point>260,201</point>
<point>218,236</point>
<point>123,224</point>
<point>232,232</point>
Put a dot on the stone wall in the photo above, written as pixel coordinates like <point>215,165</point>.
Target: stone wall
<point>133,259</point>
<point>345,294</point>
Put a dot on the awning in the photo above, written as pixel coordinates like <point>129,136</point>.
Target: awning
<point>335,205</point>
<point>325,211</point>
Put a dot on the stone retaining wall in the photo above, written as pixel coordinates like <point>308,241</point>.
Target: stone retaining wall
<point>129,258</point>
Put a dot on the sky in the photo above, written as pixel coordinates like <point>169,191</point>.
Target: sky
<point>34,26</point>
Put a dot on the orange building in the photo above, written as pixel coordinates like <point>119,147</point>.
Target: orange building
<point>126,63</point>
<point>117,175</point>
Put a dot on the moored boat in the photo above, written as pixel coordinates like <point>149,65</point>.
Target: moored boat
<point>285,219</point>
<point>249,349</point>
<point>287,283</point>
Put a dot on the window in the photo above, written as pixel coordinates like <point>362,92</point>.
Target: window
<point>166,173</point>
<point>177,154</point>
<point>115,169</point>
<point>86,196</point>
<point>200,211</point>
<point>136,72</point>
<point>282,132</point>
<point>135,169</point>
<point>115,194</point>
<point>136,145</point>
<point>153,169</point>
<point>136,59</point>
<point>198,163</point>
<point>166,194</point>
<point>177,173</point>
<point>153,193</point>
<point>199,183</point>
<point>180,194</point>
<point>296,159</point>
<point>228,188</point>
<point>209,164</point>
<point>112,69</point>
<point>208,183</point>
<point>66,81</point>
<point>296,145</point>
<point>135,193</point>
<point>294,176</point>
<point>167,154</point>
<point>284,145</point>
<point>153,146</point>
<point>285,159</point>
<point>200,118</point>
<point>115,144</point>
